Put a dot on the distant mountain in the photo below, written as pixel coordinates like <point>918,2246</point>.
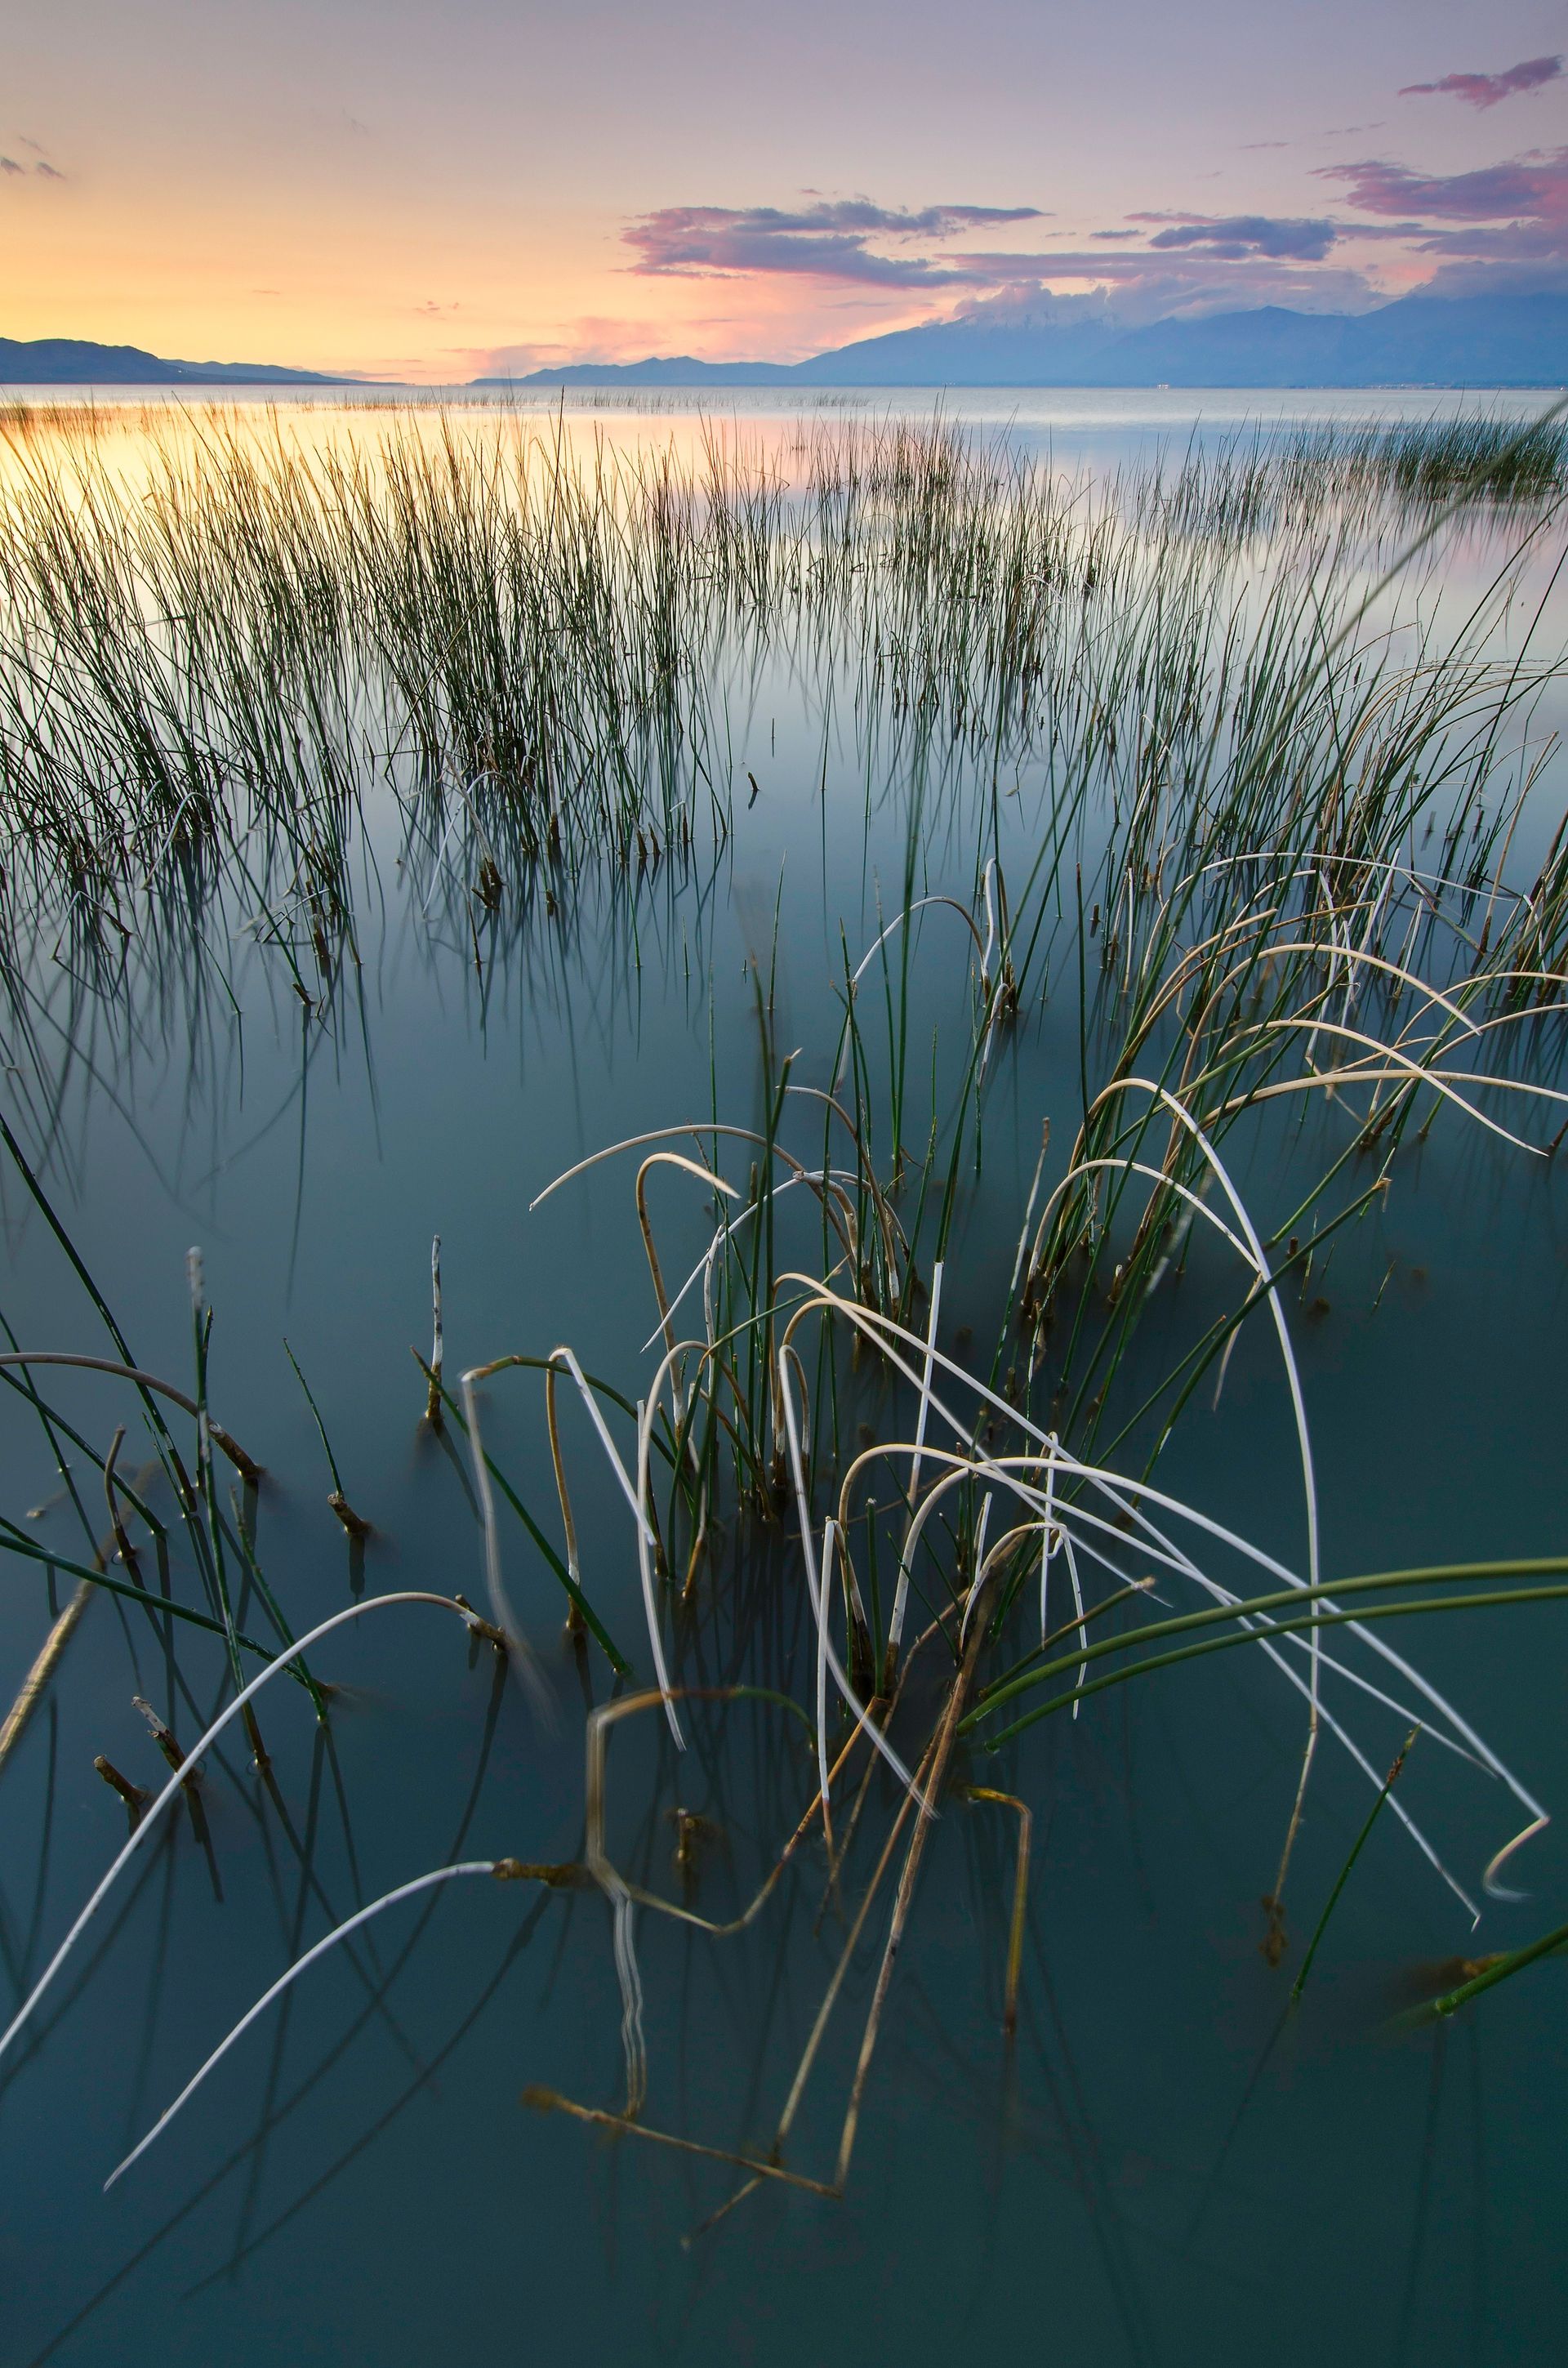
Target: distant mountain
<point>667,369</point>
<point>1484,341</point>
<point>74,361</point>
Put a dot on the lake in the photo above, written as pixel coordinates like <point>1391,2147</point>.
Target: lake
<point>406,805</point>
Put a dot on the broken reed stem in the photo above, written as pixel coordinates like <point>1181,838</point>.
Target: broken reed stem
<point>1020,1897</point>
<point>164,1738</point>
<point>356,1526</point>
<point>488,1630</point>
<point>556,1874</point>
<point>38,1677</point>
<point>135,1799</point>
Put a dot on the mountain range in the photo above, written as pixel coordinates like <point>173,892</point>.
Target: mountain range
<point>1506,339</point>
<point>1489,340</point>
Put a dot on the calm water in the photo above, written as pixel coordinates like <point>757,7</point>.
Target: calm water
<point>1157,2170</point>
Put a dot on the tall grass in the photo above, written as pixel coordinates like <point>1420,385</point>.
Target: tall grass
<point>213,647</point>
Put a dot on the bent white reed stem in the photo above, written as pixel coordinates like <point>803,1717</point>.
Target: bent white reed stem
<point>176,1784</point>
<point>1130,1497</point>
<point>328,1941</point>
<point>494,1586</point>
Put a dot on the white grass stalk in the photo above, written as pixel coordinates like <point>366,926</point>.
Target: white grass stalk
<point>645,1564</point>
<point>301,1964</point>
<point>901,1592</point>
<point>1047,1540</point>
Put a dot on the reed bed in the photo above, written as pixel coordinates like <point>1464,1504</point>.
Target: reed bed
<point>1248,485</point>
<point>1487,459</point>
<point>1268,853</point>
<point>224,648</point>
<point>214,648</point>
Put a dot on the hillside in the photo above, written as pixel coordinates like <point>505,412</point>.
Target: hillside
<point>76,362</point>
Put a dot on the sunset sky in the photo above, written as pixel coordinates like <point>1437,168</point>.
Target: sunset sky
<point>428,192</point>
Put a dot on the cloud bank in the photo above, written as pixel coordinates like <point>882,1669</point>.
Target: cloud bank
<point>1511,218</point>
<point>1524,186</point>
<point>1455,234</point>
<point>1163,263</point>
<point>828,240</point>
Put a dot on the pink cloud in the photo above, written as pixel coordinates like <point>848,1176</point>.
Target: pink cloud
<point>834,241</point>
<point>1488,90</point>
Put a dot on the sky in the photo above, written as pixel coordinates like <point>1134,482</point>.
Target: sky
<point>434,192</point>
